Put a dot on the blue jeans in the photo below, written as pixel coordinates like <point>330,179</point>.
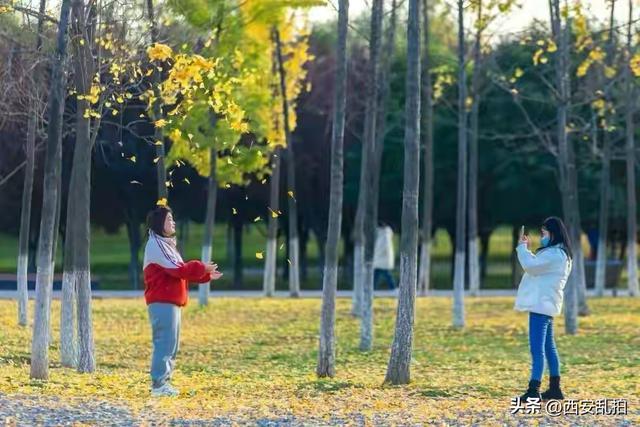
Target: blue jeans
<point>165,331</point>
<point>385,275</point>
<point>542,344</point>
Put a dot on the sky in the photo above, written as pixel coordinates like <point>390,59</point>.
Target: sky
<point>516,21</point>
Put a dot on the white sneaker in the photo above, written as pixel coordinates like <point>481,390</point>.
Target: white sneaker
<point>164,390</point>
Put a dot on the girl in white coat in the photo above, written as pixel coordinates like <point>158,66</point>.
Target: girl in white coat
<point>541,293</point>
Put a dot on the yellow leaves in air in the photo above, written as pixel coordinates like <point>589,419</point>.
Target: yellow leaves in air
<point>256,219</point>
<point>162,202</point>
<point>274,214</point>
<point>290,193</point>
<point>234,211</point>
<point>156,160</point>
<point>538,57</point>
<point>186,180</point>
<point>159,52</point>
<point>259,255</point>
<point>160,123</point>
<point>133,159</point>
<point>93,96</point>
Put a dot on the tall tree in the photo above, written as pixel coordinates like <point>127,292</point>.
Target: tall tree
<point>566,159</point>
<point>424,272</point>
<point>398,370</point>
<point>294,241</point>
<point>327,346</point>
<point>53,157</point>
<point>25,212</point>
<point>605,177</point>
<point>461,203</point>
<point>209,222</point>
<point>363,273</point>
<point>472,234</point>
<point>632,224</point>
<point>158,137</point>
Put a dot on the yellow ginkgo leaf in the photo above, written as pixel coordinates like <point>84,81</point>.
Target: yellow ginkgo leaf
<point>156,160</point>
<point>257,219</point>
<point>133,159</point>
<point>187,180</point>
<point>234,210</point>
<point>162,202</point>
<point>259,255</point>
<point>290,193</point>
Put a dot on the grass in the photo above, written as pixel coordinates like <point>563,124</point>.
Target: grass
<point>258,356</point>
<point>110,258</point>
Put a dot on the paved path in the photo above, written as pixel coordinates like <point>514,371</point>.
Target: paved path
<point>102,294</point>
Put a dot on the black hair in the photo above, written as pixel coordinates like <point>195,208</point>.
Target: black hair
<point>156,219</point>
<point>558,235</point>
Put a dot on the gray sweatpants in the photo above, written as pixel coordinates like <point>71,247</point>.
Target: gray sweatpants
<point>165,330</point>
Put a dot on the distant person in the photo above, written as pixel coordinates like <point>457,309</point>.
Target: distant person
<point>541,293</point>
<point>383,256</point>
<point>166,279</point>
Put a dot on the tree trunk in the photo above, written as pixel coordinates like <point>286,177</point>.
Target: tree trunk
<point>632,225</point>
<point>565,150</point>
<point>461,209</point>
<point>40,341</point>
<point>327,345</point>
<point>27,191</point>
<point>294,241</point>
<point>398,370</point>
<point>25,222</point>
<point>484,255</point>
<point>424,273</point>
<point>372,177</point>
<point>209,224</point>
<point>133,232</point>
<point>269,282</point>
<point>237,255</point>
<point>158,138</point>
<point>183,234</point>
<point>304,261</point>
<point>472,237</point>
<point>605,180</point>
<point>516,269</point>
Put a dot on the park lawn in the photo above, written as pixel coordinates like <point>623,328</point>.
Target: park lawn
<point>256,358</point>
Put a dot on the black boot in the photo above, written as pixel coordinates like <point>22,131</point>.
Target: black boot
<point>554,392</point>
<point>533,391</point>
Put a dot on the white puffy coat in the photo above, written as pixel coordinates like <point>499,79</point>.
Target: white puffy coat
<point>383,256</point>
<point>542,285</point>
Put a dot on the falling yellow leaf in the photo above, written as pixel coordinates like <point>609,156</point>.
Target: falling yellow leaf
<point>135,182</point>
<point>273,214</point>
<point>289,261</point>
<point>257,219</point>
<point>133,159</point>
<point>156,160</point>
<point>162,202</point>
<point>263,181</point>
<point>259,255</point>
<point>235,212</point>
<point>187,180</point>
<point>227,186</point>
<point>281,246</point>
<point>168,183</point>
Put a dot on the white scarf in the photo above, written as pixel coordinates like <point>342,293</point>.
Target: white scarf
<point>162,251</point>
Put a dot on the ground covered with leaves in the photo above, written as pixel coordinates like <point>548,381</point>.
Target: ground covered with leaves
<point>253,361</point>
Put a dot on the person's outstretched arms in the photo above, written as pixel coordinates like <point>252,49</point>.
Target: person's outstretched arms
<point>195,271</point>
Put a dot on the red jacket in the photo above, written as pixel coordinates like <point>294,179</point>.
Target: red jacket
<point>171,285</point>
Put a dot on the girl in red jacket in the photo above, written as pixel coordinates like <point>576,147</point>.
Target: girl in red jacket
<point>166,281</point>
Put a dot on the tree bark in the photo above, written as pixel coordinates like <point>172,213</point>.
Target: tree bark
<point>27,191</point>
<point>605,180</point>
<point>461,208</point>
<point>632,225</point>
<point>372,176</point>
<point>327,344</point>
<point>294,241</point>
<point>133,232</point>
<point>565,151</point>
<point>40,341</point>
<point>424,273</point>
<point>237,255</point>
<point>472,237</point>
<point>158,137</point>
<point>209,225</point>
<point>398,370</point>
<point>269,282</point>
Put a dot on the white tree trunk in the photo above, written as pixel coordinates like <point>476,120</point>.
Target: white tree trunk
<point>474,267</point>
<point>204,288</point>
<point>23,292</point>
<point>68,348</point>
<point>269,279</point>
<point>358,271</point>
<point>294,267</point>
<point>424,272</point>
<point>366,319</point>
<point>86,350</point>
